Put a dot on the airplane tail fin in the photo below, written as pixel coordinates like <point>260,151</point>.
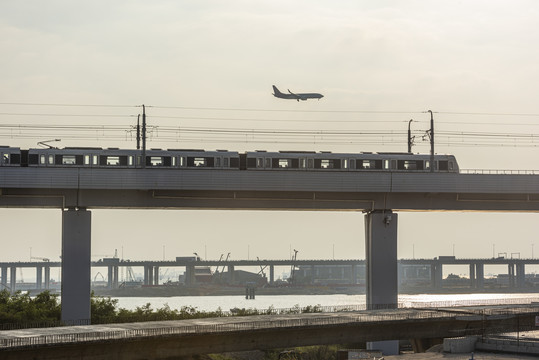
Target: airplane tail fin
<point>276,91</point>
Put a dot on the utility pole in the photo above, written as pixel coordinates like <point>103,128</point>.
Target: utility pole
<point>409,136</point>
<point>143,136</point>
<point>431,142</point>
<point>138,132</point>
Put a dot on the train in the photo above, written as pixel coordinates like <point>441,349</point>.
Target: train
<point>197,159</point>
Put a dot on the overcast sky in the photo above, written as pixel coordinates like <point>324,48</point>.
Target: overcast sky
<point>211,64</point>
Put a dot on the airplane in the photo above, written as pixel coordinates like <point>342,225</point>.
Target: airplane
<point>297,97</point>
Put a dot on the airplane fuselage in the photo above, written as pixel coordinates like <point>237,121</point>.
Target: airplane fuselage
<point>294,96</point>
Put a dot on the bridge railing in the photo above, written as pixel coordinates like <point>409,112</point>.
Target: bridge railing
<point>499,172</point>
<point>81,335</point>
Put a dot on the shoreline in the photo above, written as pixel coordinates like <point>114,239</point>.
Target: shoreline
<point>170,291</point>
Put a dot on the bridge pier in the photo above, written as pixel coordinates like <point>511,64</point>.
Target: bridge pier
<point>3,281</point>
<point>521,275</point>
<point>381,268</point>
<point>473,281</point>
<point>511,273</point>
<point>190,275</point>
<point>39,277</point>
<point>436,274</point>
<point>47,277</point>
<point>76,262</point>
<point>156,275</point>
<point>13,279</point>
<point>148,275</point>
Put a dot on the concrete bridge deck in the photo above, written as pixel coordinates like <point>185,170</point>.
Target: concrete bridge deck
<point>168,339</point>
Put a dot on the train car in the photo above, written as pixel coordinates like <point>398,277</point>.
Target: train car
<point>10,156</point>
<point>327,161</point>
<point>196,159</point>
<point>122,158</point>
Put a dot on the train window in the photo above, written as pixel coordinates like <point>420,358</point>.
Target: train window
<point>199,162</point>
<point>217,162</point>
<point>352,163</point>
<point>345,164</point>
<point>94,160</point>
<point>182,161</point>
<point>443,165</point>
<point>86,159</point>
<point>156,161</point>
<point>284,163</point>
<point>268,163</point>
<point>386,164</point>
<point>5,159</point>
<point>407,165</point>
<point>174,161</point>
<point>427,164</point>
<point>329,164</point>
<point>259,162</point>
<point>51,159</point>
<point>366,164</point>
<point>113,160</point>
<point>302,163</point>
<point>451,166</point>
<point>225,162</point>
<point>310,163</point>
<point>42,159</point>
<point>68,160</point>
<point>130,160</point>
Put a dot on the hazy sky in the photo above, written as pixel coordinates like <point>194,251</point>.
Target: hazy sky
<point>210,65</point>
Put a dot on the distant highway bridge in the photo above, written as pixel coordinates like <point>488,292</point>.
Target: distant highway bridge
<point>515,269</point>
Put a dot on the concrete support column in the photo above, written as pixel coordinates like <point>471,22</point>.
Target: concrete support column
<point>39,277</point>
<point>156,275</point>
<point>473,282</point>
<point>521,275</point>
<point>190,275</point>
<point>231,277</point>
<point>354,275</point>
<point>480,276</point>
<point>13,279</point>
<point>3,275</point>
<point>436,273</point>
<point>511,273</point>
<point>272,274</point>
<point>110,277</point>
<point>47,277</point>
<point>381,262</point>
<point>115,283</point>
<point>150,275</point>
<point>400,274</point>
<point>76,263</point>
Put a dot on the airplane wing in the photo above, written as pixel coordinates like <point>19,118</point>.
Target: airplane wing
<point>298,97</point>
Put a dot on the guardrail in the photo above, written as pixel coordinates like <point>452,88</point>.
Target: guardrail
<point>79,335</point>
<point>499,172</point>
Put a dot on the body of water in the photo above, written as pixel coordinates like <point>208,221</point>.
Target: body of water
<point>211,303</point>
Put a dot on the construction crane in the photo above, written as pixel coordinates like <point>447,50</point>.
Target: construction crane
<point>294,258</point>
<point>227,256</point>
<point>262,268</point>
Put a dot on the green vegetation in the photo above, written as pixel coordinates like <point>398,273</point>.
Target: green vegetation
<point>20,308</point>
